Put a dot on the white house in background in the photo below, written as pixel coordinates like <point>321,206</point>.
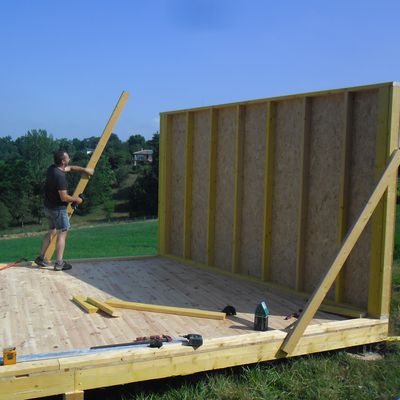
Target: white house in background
<point>142,156</point>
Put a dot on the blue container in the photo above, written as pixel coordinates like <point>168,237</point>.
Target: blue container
<point>261,317</point>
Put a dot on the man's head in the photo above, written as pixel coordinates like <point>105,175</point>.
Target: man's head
<point>61,158</point>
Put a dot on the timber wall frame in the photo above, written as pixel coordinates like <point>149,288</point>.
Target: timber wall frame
<point>268,189</point>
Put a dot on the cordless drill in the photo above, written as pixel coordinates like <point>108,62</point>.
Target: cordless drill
<point>75,205</point>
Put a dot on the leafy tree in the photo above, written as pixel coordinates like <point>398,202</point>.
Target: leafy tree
<point>66,145</point>
<point>78,145</point>
<point>108,208</point>
<point>36,208</point>
<point>5,216</point>
<point>16,190</point>
<point>99,187</point>
<point>89,143</point>
<point>117,152</point>
<point>102,182</point>
<point>36,149</point>
<point>136,143</point>
<point>8,149</point>
<point>144,192</point>
<point>154,144</point>
<point>121,174</point>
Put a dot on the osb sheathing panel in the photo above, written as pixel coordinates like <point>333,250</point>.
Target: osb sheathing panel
<point>201,155</point>
<point>362,182</point>
<point>253,193</point>
<point>325,177</point>
<point>286,191</point>
<point>177,176</point>
<point>325,152</point>
<point>225,187</point>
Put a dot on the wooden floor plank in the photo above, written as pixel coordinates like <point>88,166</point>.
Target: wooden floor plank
<point>37,313</point>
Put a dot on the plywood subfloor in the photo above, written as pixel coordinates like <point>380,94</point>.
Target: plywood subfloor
<point>37,314</point>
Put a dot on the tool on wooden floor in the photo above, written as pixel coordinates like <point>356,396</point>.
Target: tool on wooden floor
<point>13,264</point>
<point>229,310</point>
<point>294,315</point>
<point>194,340</point>
<point>155,341</point>
<point>261,317</point>
<point>9,356</point>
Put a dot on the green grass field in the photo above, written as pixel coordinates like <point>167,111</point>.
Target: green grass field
<point>334,375</point>
<point>122,239</point>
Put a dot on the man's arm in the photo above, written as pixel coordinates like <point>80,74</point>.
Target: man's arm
<point>77,168</point>
<point>65,197</point>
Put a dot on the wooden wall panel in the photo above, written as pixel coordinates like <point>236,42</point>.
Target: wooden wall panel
<point>328,150</point>
<point>177,182</point>
<point>201,144</point>
<point>326,144</point>
<point>362,182</point>
<point>286,191</point>
<point>225,188</point>
<point>253,190</point>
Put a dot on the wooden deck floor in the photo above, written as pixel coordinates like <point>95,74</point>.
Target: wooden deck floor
<point>37,314</point>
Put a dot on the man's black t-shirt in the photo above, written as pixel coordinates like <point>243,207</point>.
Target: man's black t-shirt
<point>55,180</point>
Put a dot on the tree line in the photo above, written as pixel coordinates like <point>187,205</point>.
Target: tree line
<point>24,161</point>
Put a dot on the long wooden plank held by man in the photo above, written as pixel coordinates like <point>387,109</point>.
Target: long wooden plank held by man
<point>93,161</point>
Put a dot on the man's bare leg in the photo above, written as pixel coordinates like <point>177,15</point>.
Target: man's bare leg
<point>46,241</point>
<point>60,245</point>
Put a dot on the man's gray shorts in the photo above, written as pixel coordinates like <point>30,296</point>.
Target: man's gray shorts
<point>58,218</point>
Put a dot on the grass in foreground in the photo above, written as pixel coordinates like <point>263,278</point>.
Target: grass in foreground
<point>125,239</point>
<point>394,322</point>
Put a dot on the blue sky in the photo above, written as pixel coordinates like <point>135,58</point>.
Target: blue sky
<point>64,63</point>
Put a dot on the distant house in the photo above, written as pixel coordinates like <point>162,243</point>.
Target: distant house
<point>142,156</point>
<point>89,151</point>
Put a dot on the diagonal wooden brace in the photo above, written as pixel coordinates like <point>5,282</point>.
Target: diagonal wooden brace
<point>92,162</point>
<point>350,240</point>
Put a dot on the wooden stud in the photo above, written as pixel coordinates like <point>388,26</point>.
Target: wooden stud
<point>238,186</point>
<point>351,238</point>
<point>383,221</point>
<point>344,185</point>
<point>81,302</point>
<point>189,312</point>
<point>187,218</point>
<point>304,188</point>
<point>288,97</point>
<point>268,190</point>
<point>163,185</point>
<point>103,307</point>
<point>80,188</point>
<point>390,209</point>
<point>374,292</point>
<point>212,185</point>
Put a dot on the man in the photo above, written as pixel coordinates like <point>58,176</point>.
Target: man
<point>56,199</point>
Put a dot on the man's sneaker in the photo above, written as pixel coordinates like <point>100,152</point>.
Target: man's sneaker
<point>62,266</point>
<point>40,262</point>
